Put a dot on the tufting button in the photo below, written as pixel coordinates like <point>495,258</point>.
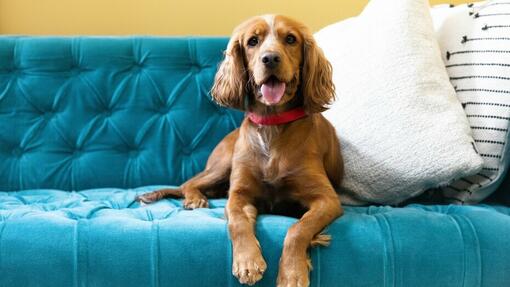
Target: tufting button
<point>134,153</point>
<point>17,152</point>
<point>74,71</point>
<point>163,110</point>
<point>77,153</point>
<point>15,72</point>
<point>107,113</point>
<point>47,115</point>
<point>137,67</point>
<point>186,150</point>
<point>195,68</point>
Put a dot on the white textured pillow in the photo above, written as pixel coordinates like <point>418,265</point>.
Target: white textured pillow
<point>475,44</point>
<point>401,127</point>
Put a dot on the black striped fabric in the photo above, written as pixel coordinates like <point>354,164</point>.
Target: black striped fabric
<point>475,43</point>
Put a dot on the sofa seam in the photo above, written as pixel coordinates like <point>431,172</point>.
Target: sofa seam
<point>155,253</point>
<point>459,230</point>
<point>478,253</point>
<point>389,251</point>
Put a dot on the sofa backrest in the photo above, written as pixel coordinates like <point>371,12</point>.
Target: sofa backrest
<point>91,112</point>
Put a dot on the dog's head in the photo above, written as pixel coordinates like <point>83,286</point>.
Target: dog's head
<point>273,59</point>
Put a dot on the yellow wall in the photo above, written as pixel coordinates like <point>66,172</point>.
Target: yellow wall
<point>162,17</point>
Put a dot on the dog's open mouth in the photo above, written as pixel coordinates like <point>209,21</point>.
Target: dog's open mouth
<point>273,90</point>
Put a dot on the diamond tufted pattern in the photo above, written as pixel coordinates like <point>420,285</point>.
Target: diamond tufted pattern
<point>78,113</point>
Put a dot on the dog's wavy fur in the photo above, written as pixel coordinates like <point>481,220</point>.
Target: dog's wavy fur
<point>291,168</point>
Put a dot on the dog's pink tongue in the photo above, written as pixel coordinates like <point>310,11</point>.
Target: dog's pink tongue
<point>273,91</point>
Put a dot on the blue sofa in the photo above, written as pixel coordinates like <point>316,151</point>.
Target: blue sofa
<point>88,123</point>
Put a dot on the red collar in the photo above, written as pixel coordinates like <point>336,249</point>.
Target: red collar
<point>278,119</point>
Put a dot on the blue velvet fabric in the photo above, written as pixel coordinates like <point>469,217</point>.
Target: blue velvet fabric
<point>101,237</point>
<point>85,121</point>
<point>78,113</point>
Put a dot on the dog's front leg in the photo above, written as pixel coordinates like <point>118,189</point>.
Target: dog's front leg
<point>248,264</point>
<point>323,207</point>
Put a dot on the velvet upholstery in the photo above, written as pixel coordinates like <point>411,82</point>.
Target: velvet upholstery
<point>79,113</point>
<point>86,124</point>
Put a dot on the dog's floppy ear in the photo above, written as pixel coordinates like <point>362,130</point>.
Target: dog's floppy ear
<point>317,76</point>
<point>230,83</point>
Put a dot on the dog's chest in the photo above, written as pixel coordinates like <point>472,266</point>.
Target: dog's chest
<point>270,155</point>
<point>263,142</point>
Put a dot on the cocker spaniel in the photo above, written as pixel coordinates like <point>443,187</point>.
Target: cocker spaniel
<point>284,158</point>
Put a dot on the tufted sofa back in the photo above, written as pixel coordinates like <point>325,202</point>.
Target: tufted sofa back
<point>89,112</point>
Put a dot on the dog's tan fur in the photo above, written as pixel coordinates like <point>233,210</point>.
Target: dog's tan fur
<point>264,167</point>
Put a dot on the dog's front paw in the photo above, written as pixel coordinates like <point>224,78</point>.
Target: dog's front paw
<point>249,268</point>
<point>293,273</point>
<point>195,201</point>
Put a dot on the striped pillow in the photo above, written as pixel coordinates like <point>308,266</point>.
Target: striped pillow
<point>475,44</point>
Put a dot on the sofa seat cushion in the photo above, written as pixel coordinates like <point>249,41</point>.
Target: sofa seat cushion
<point>102,237</point>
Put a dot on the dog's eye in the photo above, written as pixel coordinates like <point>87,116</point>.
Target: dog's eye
<point>253,41</point>
<point>290,39</point>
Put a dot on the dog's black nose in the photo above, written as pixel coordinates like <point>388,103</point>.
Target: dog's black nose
<point>271,60</point>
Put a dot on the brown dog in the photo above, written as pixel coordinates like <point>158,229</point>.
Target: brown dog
<point>284,152</point>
